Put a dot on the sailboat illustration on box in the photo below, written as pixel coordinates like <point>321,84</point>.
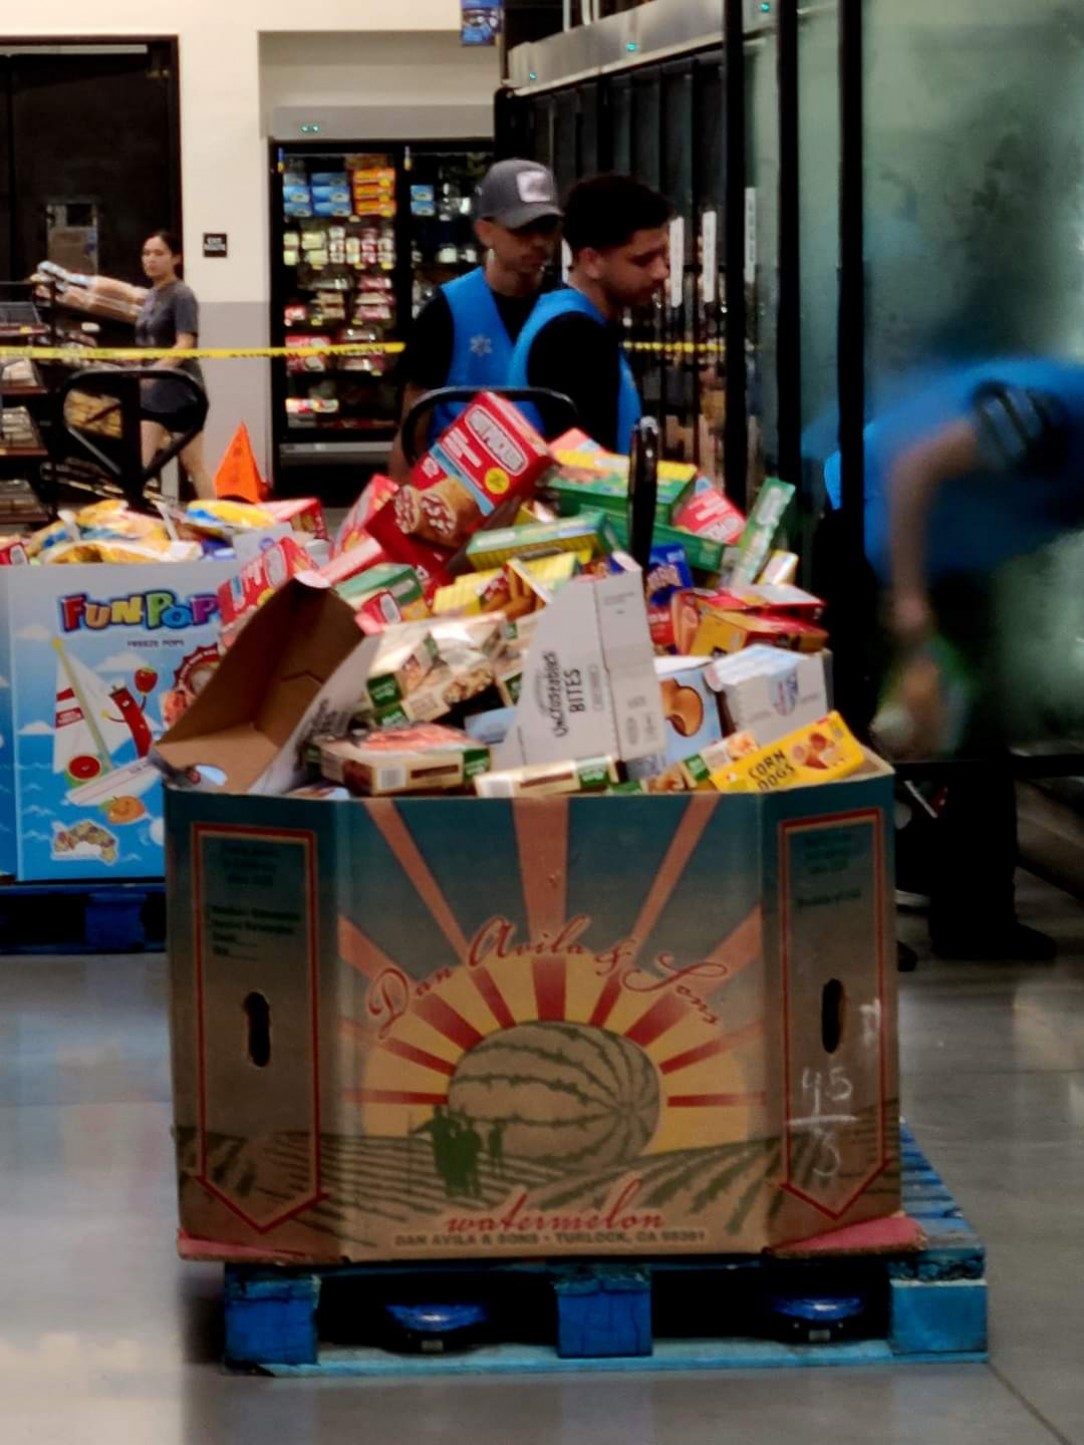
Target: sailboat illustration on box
<point>91,725</point>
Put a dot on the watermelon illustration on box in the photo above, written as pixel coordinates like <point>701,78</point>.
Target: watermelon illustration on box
<point>438,1028</point>
<point>95,662</point>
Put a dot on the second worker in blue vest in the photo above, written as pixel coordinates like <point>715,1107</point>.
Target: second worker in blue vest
<point>465,334</point>
<point>617,230</point>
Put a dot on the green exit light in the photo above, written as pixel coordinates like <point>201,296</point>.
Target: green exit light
<point>765,7</point>
<point>310,129</point>
<point>632,45</point>
<point>533,75</point>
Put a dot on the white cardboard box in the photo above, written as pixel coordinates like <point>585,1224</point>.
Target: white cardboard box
<point>770,692</point>
<point>589,684</point>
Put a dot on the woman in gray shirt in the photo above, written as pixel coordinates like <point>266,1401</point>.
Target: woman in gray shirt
<point>169,321</point>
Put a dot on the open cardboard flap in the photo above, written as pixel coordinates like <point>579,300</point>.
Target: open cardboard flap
<point>297,669</point>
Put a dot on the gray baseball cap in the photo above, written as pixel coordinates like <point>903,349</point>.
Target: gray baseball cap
<point>517,193</point>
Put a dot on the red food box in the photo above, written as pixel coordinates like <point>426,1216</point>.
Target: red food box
<point>304,514</point>
<point>711,514</point>
<point>735,631</point>
<point>487,462</point>
<point>13,552</point>
<point>261,577</point>
<point>368,553</point>
<point>354,528</point>
<point>661,622</point>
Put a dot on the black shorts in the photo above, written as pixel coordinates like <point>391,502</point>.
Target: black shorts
<point>171,405</point>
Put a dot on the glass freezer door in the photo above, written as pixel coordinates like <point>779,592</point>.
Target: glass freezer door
<point>441,184</point>
<point>338,284</point>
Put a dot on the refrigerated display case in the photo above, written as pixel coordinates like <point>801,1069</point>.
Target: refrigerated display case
<point>661,122</point>
<point>362,234</point>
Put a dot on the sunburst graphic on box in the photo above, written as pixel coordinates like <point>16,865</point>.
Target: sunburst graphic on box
<point>553,1033</point>
<point>543,1057</point>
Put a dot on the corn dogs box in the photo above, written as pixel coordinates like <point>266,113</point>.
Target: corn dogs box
<point>824,752</point>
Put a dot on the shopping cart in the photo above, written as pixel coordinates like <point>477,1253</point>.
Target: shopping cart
<point>97,415</point>
<point>558,413</point>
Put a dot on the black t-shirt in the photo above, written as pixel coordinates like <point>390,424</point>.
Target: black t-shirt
<point>427,359</point>
<point>575,355</point>
<point>169,312</point>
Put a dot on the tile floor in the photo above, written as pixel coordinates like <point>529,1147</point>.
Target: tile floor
<point>105,1337</point>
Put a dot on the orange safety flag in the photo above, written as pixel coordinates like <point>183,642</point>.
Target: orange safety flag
<point>238,477</point>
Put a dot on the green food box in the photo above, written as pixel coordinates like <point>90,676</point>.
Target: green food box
<point>700,552</point>
<point>609,492</point>
<point>591,531</point>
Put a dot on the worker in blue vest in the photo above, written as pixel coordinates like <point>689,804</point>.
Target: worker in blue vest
<point>465,334</point>
<point>617,230</point>
<point>980,466</point>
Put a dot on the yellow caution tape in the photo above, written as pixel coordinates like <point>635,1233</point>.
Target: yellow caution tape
<point>77,355</point>
<point>676,348</point>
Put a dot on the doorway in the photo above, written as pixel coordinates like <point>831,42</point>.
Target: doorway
<point>89,154</point>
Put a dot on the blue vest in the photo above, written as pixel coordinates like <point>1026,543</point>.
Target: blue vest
<point>481,346</point>
<point>562,303</point>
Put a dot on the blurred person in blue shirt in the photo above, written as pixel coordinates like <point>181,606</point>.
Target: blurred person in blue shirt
<point>982,465</point>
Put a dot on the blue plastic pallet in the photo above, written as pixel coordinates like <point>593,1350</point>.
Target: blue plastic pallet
<point>82,917</point>
<point>599,1315</point>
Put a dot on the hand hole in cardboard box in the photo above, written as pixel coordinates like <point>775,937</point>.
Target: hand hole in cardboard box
<point>258,1030</point>
<point>207,776</point>
<point>833,1015</point>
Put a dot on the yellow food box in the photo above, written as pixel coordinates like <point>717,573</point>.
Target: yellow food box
<point>472,593</point>
<point>822,752</point>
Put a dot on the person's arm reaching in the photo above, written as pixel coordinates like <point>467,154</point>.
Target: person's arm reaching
<point>916,479</point>
<point>1011,431</point>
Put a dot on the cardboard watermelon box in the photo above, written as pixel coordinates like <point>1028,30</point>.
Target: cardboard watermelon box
<point>441,1028</point>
